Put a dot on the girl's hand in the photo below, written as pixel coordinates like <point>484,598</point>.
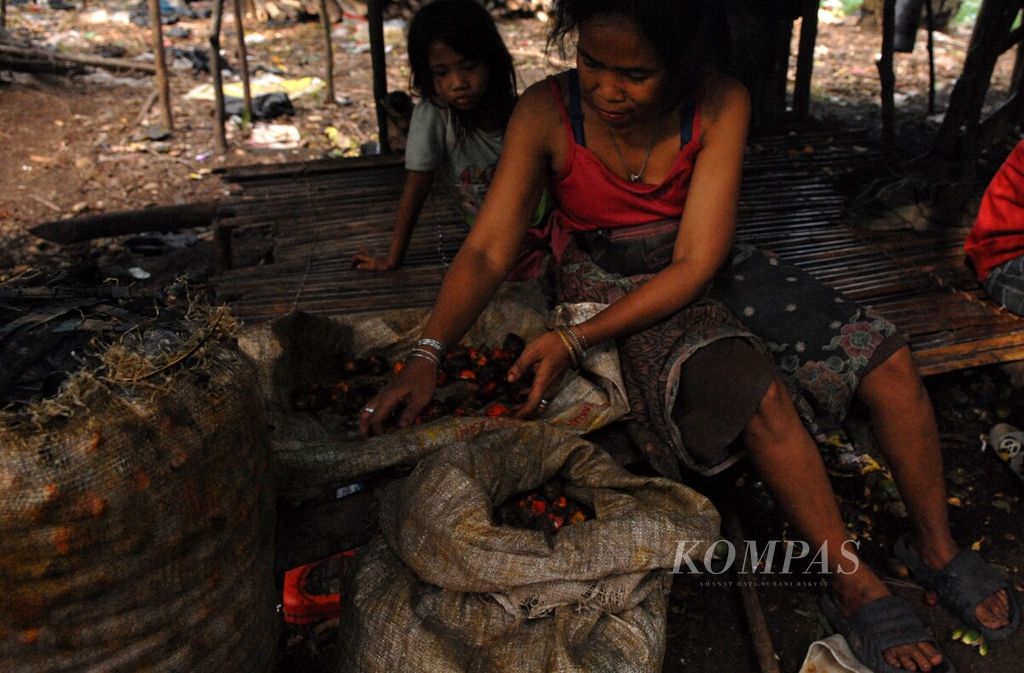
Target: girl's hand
<point>366,262</point>
<point>549,358</point>
<point>414,388</point>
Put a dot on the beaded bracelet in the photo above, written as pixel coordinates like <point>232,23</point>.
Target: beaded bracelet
<point>575,341</point>
<point>582,337</point>
<point>573,359</point>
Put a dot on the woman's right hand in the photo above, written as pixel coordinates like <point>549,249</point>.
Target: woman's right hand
<point>366,262</point>
<point>414,388</point>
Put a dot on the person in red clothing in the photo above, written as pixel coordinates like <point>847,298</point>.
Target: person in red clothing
<point>995,245</point>
<point>643,147</point>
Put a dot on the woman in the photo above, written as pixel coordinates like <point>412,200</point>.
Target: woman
<point>643,145</point>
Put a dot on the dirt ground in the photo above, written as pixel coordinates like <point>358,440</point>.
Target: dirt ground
<point>79,144</point>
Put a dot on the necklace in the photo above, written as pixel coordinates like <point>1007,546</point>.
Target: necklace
<point>639,175</point>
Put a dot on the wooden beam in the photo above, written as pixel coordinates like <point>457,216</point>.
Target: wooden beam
<point>97,61</point>
<point>243,57</point>
<point>375,17</point>
<point>805,60</point>
<point>125,222</point>
<point>325,23</point>
<point>929,14</point>
<point>163,84</point>
<point>887,79</point>
<point>219,140</point>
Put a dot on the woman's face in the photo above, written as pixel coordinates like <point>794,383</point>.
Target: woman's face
<point>621,79</point>
<point>459,82</point>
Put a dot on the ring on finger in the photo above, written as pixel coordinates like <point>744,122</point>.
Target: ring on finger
<point>369,410</point>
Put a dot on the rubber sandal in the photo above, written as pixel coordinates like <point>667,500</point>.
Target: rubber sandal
<point>965,582</point>
<point>881,624</point>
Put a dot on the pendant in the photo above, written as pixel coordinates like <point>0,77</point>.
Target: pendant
<point>634,177</point>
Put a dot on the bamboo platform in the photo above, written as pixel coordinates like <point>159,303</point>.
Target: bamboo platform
<point>312,217</point>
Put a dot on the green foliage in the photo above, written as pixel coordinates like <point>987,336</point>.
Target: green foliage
<point>968,12</point>
<point>851,7</point>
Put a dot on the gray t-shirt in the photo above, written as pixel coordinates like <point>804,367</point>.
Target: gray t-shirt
<point>466,163</point>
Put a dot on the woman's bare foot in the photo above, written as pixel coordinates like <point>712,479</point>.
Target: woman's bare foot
<point>852,592</point>
<point>994,611</point>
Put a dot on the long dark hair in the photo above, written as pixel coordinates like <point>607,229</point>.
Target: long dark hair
<point>468,29</point>
<point>678,31</point>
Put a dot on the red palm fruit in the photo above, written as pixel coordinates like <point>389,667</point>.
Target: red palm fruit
<point>467,375</point>
<point>496,410</point>
<point>539,506</point>
<point>398,367</point>
<point>557,521</point>
<point>577,517</point>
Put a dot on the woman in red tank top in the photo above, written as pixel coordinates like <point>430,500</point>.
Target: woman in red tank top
<point>644,151</point>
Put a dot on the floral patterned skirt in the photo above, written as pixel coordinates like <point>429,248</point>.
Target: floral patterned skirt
<point>820,344</point>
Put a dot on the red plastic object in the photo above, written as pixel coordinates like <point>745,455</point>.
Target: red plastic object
<point>312,593</point>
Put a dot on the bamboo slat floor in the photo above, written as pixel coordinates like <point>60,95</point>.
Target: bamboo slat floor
<point>312,217</point>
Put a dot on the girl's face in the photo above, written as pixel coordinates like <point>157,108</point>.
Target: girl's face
<point>621,79</point>
<point>459,82</point>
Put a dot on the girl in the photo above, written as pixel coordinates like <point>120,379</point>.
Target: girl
<point>465,77</point>
<point>645,147</point>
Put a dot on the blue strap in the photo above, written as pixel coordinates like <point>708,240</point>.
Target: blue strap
<point>576,108</point>
<point>686,114</point>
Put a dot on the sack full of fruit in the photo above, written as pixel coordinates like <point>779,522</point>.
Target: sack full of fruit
<point>522,548</point>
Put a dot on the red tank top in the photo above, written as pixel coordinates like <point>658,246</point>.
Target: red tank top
<point>590,196</point>
<point>998,233</point>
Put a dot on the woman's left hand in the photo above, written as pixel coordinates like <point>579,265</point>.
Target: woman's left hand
<point>549,358</point>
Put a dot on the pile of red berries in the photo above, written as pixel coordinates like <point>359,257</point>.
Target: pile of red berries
<point>470,382</point>
<point>545,509</point>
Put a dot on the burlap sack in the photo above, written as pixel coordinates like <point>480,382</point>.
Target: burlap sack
<point>137,515</point>
<point>313,453</point>
<point>445,589</point>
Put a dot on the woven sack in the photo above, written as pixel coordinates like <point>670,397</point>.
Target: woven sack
<point>445,589</point>
<point>313,452</point>
<point>137,513</point>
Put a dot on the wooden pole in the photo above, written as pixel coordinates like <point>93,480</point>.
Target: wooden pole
<point>759,636</point>
<point>219,140</point>
<point>929,14</point>
<point>375,17</point>
<point>163,84</point>
<point>805,60</point>
<point>888,79</point>
<point>325,22</point>
<point>243,57</point>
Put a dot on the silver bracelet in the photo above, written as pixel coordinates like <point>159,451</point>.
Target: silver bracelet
<point>433,343</point>
<point>426,355</point>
